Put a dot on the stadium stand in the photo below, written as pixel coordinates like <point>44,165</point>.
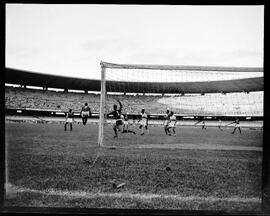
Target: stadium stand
<point>246,104</point>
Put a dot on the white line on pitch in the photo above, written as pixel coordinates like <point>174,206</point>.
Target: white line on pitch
<point>89,195</point>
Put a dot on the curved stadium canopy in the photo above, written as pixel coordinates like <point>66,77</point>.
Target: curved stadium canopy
<point>22,77</point>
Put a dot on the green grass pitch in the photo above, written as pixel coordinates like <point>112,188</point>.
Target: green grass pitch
<point>50,167</point>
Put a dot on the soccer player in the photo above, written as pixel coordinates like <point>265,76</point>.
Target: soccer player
<point>167,121</point>
<point>143,122</point>
<point>172,124</point>
<point>69,119</point>
<point>85,113</point>
<point>118,119</point>
<point>126,125</point>
<point>236,125</point>
<point>203,123</point>
<point>219,126</point>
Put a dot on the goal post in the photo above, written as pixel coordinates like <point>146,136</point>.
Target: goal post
<point>102,105</point>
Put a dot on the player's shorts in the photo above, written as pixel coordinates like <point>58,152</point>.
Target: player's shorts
<point>125,124</point>
<point>118,122</point>
<point>69,120</point>
<point>85,113</point>
<point>172,124</point>
<point>143,122</point>
<point>237,125</point>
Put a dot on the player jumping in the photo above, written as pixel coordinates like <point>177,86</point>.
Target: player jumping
<point>69,119</point>
<point>85,113</point>
<point>143,122</point>
<point>117,116</point>
<point>172,124</point>
<point>126,125</point>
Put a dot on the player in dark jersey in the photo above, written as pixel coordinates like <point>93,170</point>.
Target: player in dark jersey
<point>167,121</point>
<point>126,125</point>
<point>69,119</point>
<point>117,117</point>
<point>85,113</point>
<point>236,125</point>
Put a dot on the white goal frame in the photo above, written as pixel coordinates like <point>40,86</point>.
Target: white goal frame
<point>105,65</point>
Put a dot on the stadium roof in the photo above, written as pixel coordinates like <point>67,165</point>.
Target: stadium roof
<point>22,77</point>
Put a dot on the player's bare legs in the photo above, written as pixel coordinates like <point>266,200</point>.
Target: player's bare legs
<point>142,131</point>
<point>115,131</point>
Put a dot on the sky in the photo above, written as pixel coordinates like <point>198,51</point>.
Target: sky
<point>72,39</point>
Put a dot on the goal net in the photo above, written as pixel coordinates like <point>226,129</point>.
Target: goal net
<point>188,91</point>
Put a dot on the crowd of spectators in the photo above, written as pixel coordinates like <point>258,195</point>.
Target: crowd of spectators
<point>238,103</point>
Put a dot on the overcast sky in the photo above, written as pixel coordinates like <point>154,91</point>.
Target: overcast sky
<point>71,40</point>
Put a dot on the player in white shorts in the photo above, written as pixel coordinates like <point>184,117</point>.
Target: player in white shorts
<point>172,123</point>
<point>143,122</point>
<point>69,119</point>
<point>126,125</point>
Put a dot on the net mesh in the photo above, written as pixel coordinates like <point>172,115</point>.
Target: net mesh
<point>157,89</point>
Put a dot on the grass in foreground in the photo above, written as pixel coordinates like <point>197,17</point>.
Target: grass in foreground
<point>45,157</point>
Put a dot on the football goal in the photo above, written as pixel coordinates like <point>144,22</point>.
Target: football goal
<point>129,90</point>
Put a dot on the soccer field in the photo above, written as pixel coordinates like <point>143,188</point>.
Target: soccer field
<point>195,170</point>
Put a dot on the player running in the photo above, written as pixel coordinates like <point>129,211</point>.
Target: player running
<point>126,125</point>
<point>143,122</point>
<point>69,119</point>
<point>236,125</point>
<point>172,124</point>
<point>117,116</point>
<point>167,121</point>
<point>85,113</point>
<point>202,121</point>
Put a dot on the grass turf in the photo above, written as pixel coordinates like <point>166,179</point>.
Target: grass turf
<point>44,156</point>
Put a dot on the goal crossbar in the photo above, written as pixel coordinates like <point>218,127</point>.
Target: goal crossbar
<point>180,67</point>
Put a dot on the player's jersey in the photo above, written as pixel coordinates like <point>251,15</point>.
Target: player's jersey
<point>143,119</point>
<point>144,116</point>
<point>70,114</point>
<point>116,114</point>
<point>86,109</point>
<point>167,119</point>
<point>237,123</point>
<point>172,122</point>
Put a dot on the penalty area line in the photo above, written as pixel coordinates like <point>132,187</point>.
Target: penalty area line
<point>89,195</point>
